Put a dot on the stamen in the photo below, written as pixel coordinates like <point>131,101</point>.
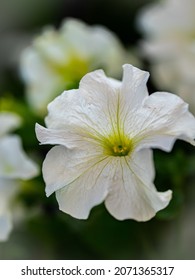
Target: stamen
<point>115,146</point>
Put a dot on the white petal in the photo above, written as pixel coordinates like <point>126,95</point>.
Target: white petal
<point>165,118</point>
<point>78,198</point>
<point>55,136</point>
<point>134,88</point>
<point>95,44</point>
<point>143,163</point>
<point>71,138</point>
<point>51,47</point>
<point>8,121</point>
<point>92,107</point>
<point>62,166</point>
<point>85,190</point>
<point>102,96</point>
<point>62,109</point>
<point>14,162</point>
<point>97,84</point>
<point>133,196</point>
<point>43,84</point>
<point>80,38</point>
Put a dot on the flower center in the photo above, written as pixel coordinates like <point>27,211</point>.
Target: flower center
<point>120,150</point>
<point>118,146</point>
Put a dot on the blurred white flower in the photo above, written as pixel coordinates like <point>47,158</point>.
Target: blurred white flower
<point>59,59</point>
<point>14,166</point>
<point>104,131</point>
<point>9,122</point>
<point>169,29</point>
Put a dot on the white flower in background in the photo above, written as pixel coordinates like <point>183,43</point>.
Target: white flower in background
<point>14,166</point>
<point>60,58</point>
<point>104,131</point>
<point>169,29</point>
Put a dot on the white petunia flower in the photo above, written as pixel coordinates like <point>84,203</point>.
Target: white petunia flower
<point>169,30</point>
<point>14,166</point>
<point>104,132</point>
<point>59,59</point>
